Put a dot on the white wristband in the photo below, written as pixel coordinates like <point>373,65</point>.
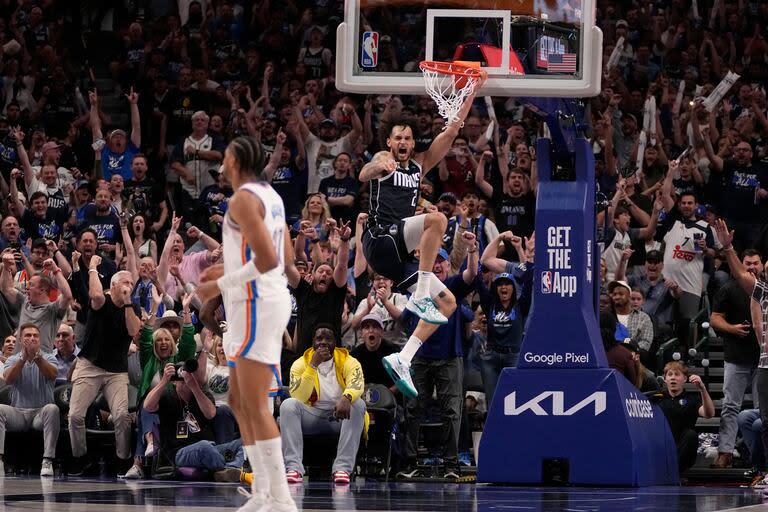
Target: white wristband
<point>243,275</point>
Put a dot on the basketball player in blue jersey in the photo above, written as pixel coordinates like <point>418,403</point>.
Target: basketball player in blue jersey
<point>254,289</point>
<point>394,232</point>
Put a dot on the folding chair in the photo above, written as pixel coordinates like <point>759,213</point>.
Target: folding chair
<point>382,410</point>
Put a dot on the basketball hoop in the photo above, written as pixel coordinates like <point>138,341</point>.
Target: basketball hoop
<point>449,84</point>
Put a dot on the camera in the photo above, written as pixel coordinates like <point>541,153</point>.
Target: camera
<point>602,202</point>
<point>189,366</point>
<point>628,170</point>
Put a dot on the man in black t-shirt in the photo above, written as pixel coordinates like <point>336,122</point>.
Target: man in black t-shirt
<point>372,350</point>
<point>742,191</point>
<point>39,221</point>
<point>322,301</point>
<point>186,424</point>
<point>515,209</point>
<point>102,365</point>
<point>145,195</point>
<point>340,190</point>
<point>183,101</point>
<point>215,198</point>
<point>683,408</point>
<point>731,318</point>
<point>103,220</point>
<point>284,172</point>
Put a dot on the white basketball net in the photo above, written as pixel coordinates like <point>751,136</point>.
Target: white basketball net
<point>448,97</point>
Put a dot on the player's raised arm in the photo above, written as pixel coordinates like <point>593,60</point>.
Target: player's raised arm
<point>442,143</point>
<point>381,164</point>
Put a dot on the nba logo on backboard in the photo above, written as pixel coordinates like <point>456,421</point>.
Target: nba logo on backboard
<point>546,282</point>
<point>370,50</point>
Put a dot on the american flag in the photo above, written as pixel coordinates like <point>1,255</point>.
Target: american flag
<point>561,63</point>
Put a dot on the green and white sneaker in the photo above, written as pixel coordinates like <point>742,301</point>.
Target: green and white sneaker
<point>426,309</point>
<point>401,374</point>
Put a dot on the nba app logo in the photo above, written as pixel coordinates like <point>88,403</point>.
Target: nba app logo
<point>369,57</point>
<point>546,282</point>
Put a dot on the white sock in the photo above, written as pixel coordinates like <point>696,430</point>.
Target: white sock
<point>422,285</point>
<point>260,483</point>
<point>271,458</point>
<point>410,349</point>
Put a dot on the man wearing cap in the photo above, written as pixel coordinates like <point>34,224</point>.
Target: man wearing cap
<point>372,349</point>
<point>625,138</point>
<point>340,189</point>
<point>323,148</point>
<point>316,57</point>
<point>48,180</point>
<point>627,53</point>
<point>387,306</point>
<point>438,366</point>
<point>732,320</point>
<point>660,292</point>
<point>118,151</point>
<point>638,323</point>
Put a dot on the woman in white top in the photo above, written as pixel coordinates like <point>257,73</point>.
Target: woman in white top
<point>143,239</point>
<point>217,378</point>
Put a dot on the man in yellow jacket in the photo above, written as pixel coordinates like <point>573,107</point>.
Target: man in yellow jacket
<point>326,388</point>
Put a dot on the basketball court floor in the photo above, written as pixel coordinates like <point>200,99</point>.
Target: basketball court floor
<point>83,495</point>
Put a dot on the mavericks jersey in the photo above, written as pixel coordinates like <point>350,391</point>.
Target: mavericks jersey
<point>394,196</point>
<point>237,252</point>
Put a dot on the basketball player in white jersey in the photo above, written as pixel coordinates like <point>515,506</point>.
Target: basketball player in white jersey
<point>258,306</point>
<point>394,231</point>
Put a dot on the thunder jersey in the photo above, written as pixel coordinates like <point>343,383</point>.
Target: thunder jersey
<point>237,252</point>
<point>394,196</point>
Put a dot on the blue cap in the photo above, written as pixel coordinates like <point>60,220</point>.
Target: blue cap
<point>442,253</point>
<point>504,275</point>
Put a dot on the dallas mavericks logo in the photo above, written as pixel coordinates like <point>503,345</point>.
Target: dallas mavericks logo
<point>546,282</point>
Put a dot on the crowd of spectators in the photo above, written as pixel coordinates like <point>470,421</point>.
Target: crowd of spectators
<point>137,210</point>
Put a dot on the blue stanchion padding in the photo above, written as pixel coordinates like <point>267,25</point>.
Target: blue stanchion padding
<point>562,330</point>
<point>594,419</point>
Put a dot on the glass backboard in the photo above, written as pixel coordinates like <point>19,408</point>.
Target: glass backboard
<point>527,47</point>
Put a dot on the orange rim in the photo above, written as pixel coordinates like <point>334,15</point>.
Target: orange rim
<point>450,68</point>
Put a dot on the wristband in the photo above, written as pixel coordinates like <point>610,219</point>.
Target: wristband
<point>92,270</point>
<point>343,239</point>
<point>243,275</point>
